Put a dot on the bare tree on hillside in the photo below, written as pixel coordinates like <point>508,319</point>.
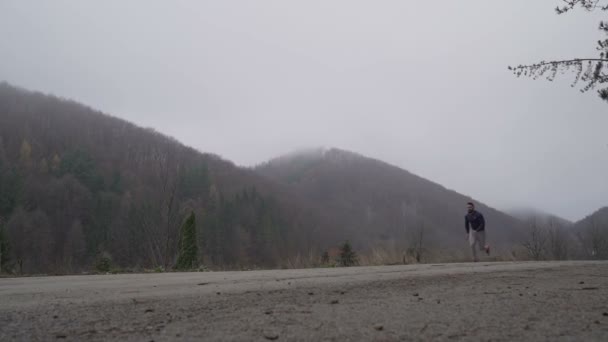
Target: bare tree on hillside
<point>594,239</point>
<point>535,245</point>
<point>558,242</point>
<point>160,218</point>
<point>416,249</point>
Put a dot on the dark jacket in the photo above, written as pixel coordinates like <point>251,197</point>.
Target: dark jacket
<point>475,221</point>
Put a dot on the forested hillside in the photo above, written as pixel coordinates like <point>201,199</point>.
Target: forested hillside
<point>76,184</point>
<point>592,232</point>
<point>375,201</point>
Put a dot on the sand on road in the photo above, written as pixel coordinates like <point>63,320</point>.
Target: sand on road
<point>532,301</point>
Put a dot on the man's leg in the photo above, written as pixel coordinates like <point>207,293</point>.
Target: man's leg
<point>472,242</point>
<point>481,239</point>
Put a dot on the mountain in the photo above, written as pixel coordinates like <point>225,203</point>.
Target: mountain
<point>79,187</point>
<point>531,215</point>
<point>592,233</point>
<point>370,201</point>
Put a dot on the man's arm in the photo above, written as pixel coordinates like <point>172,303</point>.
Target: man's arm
<point>482,226</point>
<point>466,223</point>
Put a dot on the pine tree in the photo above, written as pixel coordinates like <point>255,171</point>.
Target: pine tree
<point>347,256</point>
<point>188,250</point>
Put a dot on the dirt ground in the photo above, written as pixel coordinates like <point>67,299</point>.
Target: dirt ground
<point>532,301</point>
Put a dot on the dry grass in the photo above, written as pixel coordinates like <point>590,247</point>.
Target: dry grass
<point>309,260</point>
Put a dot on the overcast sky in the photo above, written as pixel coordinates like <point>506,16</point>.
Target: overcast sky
<point>420,84</point>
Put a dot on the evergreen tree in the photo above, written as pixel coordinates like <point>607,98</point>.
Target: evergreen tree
<point>188,251</point>
<point>103,263</point>
<point>348,257</point>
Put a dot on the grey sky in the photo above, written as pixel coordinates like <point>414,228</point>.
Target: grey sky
<point>420,84</point>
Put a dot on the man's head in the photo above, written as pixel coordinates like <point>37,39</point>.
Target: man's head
<point>470,207</point>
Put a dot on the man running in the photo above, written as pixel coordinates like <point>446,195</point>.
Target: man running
<point>475,225</point>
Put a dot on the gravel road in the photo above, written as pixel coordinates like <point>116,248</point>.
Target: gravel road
<point>532,301</point>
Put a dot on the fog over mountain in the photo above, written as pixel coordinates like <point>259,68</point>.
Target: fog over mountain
<point>78,186</point>
<point>421,85</point>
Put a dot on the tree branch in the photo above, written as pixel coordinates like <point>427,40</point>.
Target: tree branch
<point>565,61</point>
